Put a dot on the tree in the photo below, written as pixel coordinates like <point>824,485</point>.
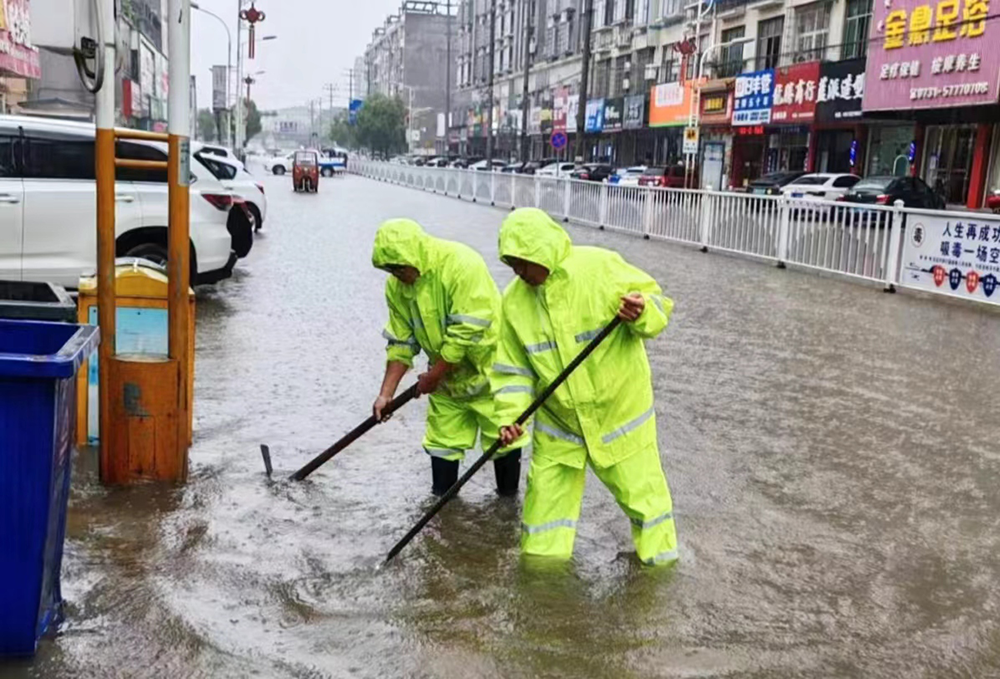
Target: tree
<point>206,125</point>
<point>343,133</point>
<point>381,125</point>
<point>254,126</point>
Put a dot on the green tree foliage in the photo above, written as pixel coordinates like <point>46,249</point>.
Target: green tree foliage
<point>342,133</point>
<point>254,126</point>
<point>206,125</point>
<point>381,125</point>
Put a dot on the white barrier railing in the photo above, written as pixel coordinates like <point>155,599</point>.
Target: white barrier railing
<point>858,241</point>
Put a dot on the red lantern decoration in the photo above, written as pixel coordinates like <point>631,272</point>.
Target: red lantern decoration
<point>252,16</point>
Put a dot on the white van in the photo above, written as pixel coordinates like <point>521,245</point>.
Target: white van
<point>48,206</point>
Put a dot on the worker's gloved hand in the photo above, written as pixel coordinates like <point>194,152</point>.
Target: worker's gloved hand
<point>429,381</point>
<point>380,403</point>
<point>510,433</point>
<point>632,307</point>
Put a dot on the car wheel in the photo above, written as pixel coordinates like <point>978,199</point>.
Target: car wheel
<point>279,170</point>
<point>327,172</point>
<point>154,252</point>
<point>258,221</point>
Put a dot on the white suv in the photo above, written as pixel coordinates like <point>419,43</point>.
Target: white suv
<point>48,206</point>
<point>234,176</point>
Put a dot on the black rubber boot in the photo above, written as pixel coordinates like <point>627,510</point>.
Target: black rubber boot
<point>445,474</point>
<point>508,471</point>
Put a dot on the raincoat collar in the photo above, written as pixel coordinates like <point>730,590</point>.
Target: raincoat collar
<point>403,242</point>
<point>530,234</point>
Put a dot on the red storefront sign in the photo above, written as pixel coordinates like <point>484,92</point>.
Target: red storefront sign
<point>795,91</point>
<point>560,109</point>
<point>17,55</point>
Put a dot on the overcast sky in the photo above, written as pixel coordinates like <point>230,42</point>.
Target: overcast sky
<point>317,42</point>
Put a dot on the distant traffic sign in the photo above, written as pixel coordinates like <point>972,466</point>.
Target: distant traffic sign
<point>558,140</point>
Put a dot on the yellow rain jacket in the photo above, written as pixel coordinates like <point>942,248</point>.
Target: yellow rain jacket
<point>450,312</point>
<point>605,408</point>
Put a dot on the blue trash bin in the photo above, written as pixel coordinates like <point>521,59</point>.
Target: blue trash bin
<point>38,365</point>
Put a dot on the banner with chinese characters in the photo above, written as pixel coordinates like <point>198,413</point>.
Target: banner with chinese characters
<point>595,115</point>
<point>560,105</point>
<point>932,54</point>
<point>613,114</point>
<point>959,257</point>
<point>635,112</point>
<point>840,91</point>
<point>670,104</point>
<point>794,98</point>
<point>753,97</point>
<point>18,57</point>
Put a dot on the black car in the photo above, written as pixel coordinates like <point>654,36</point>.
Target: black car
<point>594,172</point>
<point>770,184</point>
<point>886,190</point>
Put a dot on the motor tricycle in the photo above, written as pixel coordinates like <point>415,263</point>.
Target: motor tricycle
<point>305,171</point>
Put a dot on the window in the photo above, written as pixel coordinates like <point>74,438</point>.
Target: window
<point>845,182</point>
<point>599,86</point>
<point>58,156</point>
<point>731,55</point>
<point>132,151</point>
<point>640,60</point>
<point>859,16</point>
<point>8,166</point>
<point>618,74</point>
<point>670,72</point>
<point>218,170</point>
<point>811,26</point>
<point>769,42</point>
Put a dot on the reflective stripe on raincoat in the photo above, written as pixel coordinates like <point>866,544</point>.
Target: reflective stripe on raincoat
<point>450,312</point>
<point>605,408</point>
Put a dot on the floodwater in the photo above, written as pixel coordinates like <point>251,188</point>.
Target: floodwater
<point>832,451</point>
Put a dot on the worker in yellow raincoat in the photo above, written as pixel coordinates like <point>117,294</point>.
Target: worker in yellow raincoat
<point>603,414</point>
<point>443,300</point>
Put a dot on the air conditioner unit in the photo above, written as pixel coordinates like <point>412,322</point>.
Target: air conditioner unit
<point>65,26</point>
<point>652,71</point>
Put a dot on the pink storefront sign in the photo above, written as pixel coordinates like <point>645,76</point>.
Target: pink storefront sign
<point>937,54</point>
<point>17,55</point>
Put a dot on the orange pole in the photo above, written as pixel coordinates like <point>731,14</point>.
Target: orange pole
<point>127,133</point>
<point>142,164</point>
<point>106,302</point>
<point>179,275</point>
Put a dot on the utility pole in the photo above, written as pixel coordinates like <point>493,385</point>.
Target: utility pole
<point>581,108</point>
<point>489,100</point>
<point>239,131</point>
<point>447,84</point>
<point>528,29</point>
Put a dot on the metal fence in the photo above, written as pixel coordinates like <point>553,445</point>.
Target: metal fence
<point>858,241</point>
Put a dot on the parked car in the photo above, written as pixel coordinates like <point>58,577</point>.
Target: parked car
<point>820,186</point>
<point>771,184</point>
<point>221,152</point>
<point>485,165</point>
<point>593,172</point>
<point>556,169</point>
<point>886,190</point>
<point>993,201</point>
<point>279,164</point>
<point>463,163</point>
<point>627,176</point>
<point>235,177</point>
<point>438,162</point>
<point>512,168</point>
<point>668,177</point>
<point>48,208</point>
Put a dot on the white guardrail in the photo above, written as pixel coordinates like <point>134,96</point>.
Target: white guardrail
<point>862,242</point>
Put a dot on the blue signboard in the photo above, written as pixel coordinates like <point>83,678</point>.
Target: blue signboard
<point>753,98</point>
<point>352,113</point>
<point>595,115</point>
<point>558,140</point>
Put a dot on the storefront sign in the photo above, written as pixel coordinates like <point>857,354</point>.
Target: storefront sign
<point>959,257</point>
<point>18,57</point>
<point>840,91</point>
<point>635,112</point>
<point>546,119</point>
<point>535,120</point>
<point>595,115</point>
<point>715,107</point>
<point>750,131</point>
<point>559,105</point>
<point>572,104</point>
<point>795,93</point>
<point>753,98</point>
<point>690,140</point>
<point>932,54</point>
<point>219,78</point>
<point>613,114</point>
<point>670,104</point>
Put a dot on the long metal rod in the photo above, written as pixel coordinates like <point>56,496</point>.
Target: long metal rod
<point>447,79</point>
<point>524,417</point>
<point>353,435</point>
<point>490,84</point>
<point>238,132</point>
<point>105,173</point>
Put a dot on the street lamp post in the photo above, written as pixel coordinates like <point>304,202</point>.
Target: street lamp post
<point>229,63</point>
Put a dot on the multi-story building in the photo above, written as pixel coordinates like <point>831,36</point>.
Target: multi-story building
<point>407,59</point>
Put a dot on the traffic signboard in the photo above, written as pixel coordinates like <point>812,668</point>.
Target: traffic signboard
<point>558,140</point>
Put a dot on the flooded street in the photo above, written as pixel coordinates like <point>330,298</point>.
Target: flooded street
<point>832,453</point>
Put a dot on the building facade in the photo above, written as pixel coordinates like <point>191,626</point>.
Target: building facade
<point>406,58</point>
